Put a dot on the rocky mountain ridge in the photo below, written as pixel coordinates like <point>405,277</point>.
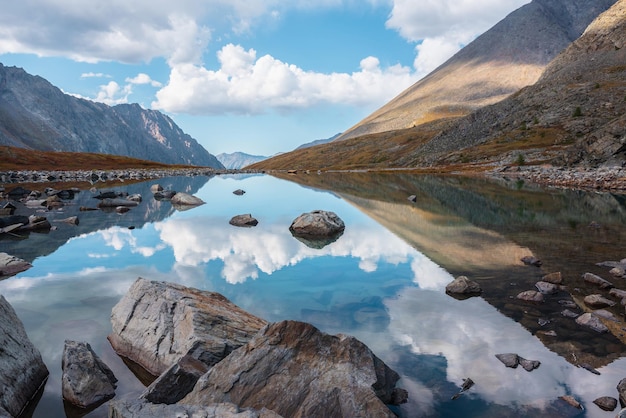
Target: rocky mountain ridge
<point>507,57</point>
<point>237,160</point>
<point>572,116</point>
<point>34,114</point>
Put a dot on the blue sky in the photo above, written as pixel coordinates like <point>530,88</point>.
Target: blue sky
<point>258,76</point>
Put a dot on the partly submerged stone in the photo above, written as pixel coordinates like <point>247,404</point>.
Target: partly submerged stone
<point>245,220</point>
<point>156,324</point>
<point>140,408</point>
<point>86,381</point>
<point>11,265</point>
<point>318,223</point>
<point>463,286</point>
<point>294,369</point>
<point>591,321</point>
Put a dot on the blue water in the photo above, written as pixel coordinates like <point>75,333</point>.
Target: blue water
<point>370,283</point>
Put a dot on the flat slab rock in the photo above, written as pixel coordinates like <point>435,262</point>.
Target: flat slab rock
<point>296,370</point>
<point>157,323</point>
<point>22,371</point>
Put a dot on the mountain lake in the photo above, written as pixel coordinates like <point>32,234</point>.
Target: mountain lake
<point>382,281</point>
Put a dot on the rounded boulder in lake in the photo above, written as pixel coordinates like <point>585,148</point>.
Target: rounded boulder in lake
<point>318,223</point>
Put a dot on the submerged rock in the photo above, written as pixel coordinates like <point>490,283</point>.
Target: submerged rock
<point>294,369</point>
<point>598,301</point>
<point>530,296</point>
<point>463,286</point>
<point>597,280</point>
<point>22,371</point>
<point>156,324</point>
<point>591,321</point>
<point>86,381</point>
<point>554,278</point>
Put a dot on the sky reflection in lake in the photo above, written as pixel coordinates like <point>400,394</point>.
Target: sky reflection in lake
<point>368,283</point>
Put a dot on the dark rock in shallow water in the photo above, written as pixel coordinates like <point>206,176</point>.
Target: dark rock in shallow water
<point>86,382</point>
<point>185,199</point>
<point>239,192</point>
<point>547,288</point>
<point>164,194</point>
<point>22,371</point>
<point>531,261</point>
<point>530,296</point>
<point>598,301</point>
<point>156,324</point>
<point>294,369</point>
<point>529,365</point>
<point>463,286</point>
<point>597,280</point>
<point>606,403</point>
<point>591,321</point>
<point>509,359</point>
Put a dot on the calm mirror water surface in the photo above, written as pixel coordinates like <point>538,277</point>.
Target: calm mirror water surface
<point>382,281</point>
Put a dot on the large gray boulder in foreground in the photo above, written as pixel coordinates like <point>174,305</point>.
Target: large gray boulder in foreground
<point>156,324</point>
<point>296,370</point>
<point>318,223</point>
<point>22,371</point>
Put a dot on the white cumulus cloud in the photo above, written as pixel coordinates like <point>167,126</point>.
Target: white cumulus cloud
<point>248,84</point>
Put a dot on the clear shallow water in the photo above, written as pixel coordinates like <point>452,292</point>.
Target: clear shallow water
<point>381,286</point>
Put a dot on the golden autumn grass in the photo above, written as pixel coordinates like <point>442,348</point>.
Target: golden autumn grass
<point>12,158</point>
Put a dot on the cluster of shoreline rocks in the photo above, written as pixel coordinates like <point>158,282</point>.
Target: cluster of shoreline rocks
<point>603,178</point>
<point>92,176</point>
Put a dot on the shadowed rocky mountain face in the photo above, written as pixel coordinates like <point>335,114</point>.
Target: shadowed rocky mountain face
<point>509,56</point>
<point>574,115</point>
<point>35,114</point>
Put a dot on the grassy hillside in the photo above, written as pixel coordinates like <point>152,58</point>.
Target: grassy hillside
<point>12,158</point>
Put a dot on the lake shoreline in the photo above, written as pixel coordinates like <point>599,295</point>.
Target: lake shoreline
<point>611,179</point>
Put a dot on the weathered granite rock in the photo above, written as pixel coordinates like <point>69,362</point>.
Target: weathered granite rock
<point>606,403</point>
<point>186,199</point>
<point>245,220</point>
<point>156,324</point>
<point>530,296</point>
<point>589,320</point>
<point>296,370</point>
<point>463,286</point>
<point>22,371</point>
<point>318,223</point>
<point>86,381</point>
<point>142,409</point>
<point>598,301</point>
<point>597,280</point>
<point>10,265</point>
<point>547,288</point>
<point>554,278</point>
<point>175,382</point>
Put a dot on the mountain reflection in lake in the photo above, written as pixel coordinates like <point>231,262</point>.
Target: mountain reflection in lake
<point>382,281</point>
